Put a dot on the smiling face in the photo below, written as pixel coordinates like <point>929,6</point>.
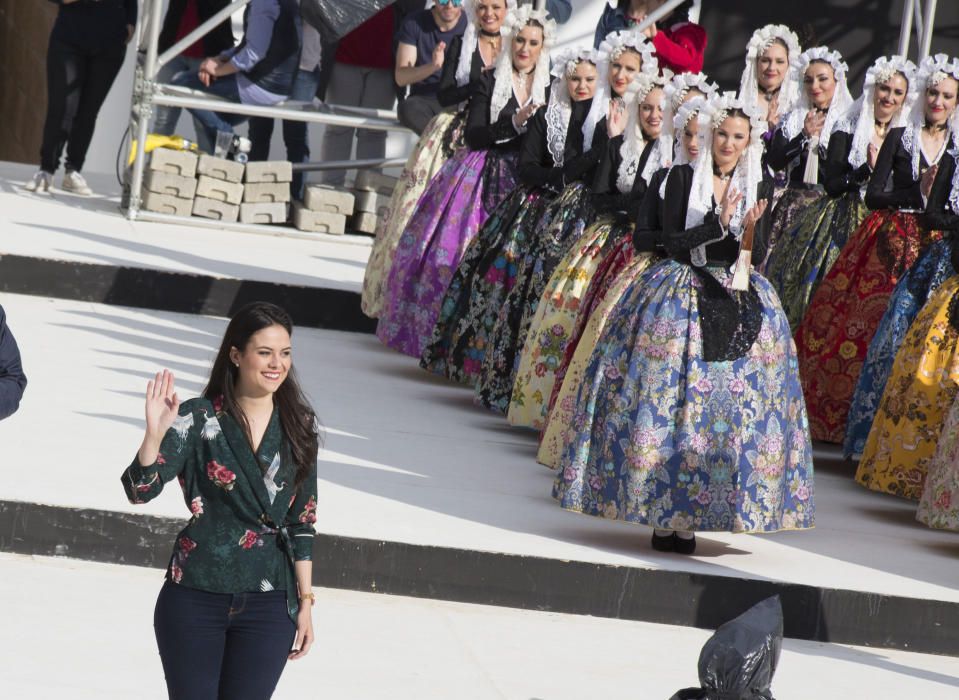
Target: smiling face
<point>622,70</point>
<point>941,101</point>
<point>772,65</point>
<point>490,15</point>
<point>263,365</point>
<point>651,113</point>
<point>527,47</point>
<point>890,97</point>
<point>448,13</point>
<point>729,141</point>
<point>582,82</point>
<point>819,82</point>
<point>690,139</point>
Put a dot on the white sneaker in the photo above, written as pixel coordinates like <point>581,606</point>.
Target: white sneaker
<point>74,182</point>
<point>41,182</point>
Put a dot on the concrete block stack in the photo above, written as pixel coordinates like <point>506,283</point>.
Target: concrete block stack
<point>373,191</point>
<point>219,190</point>
<point>324,210</point>
<point>258,192</point>
<point>266,197</point>
<point>169,183</point>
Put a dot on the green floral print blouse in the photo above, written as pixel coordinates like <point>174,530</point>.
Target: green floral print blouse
<point>248,525</point>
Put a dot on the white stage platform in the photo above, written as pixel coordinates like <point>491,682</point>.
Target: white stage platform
<point>409,461</point>
<point>84,630</point>
<point>408,458</point>
<point>67,227</point>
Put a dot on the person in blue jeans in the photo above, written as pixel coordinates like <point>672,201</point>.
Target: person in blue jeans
<point>295,133</point>
<point>259,71</point>
<point>12,379</point>
<point>182,17</point>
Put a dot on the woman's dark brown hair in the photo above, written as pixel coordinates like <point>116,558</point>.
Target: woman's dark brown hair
<point>296,415</point>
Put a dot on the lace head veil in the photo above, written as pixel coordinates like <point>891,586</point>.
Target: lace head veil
<point>745,178</point>
<point>932,70</point>
<point>676,91</point>
<point>761,40</point>
<point>792,124</point>
<point>861,118</point>
<point>616,43</point>
<point>560,105</point>
<point>471,40</point>
<point>515,22</point>
<point>634,140</point>
<point>689,111</point>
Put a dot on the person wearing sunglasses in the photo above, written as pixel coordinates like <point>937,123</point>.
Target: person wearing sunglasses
<point>420,54</point>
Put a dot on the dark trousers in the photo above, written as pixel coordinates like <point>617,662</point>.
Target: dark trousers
<point>295,134</point>
<point>222,646</point>
<point>78,80</point>
<point>416,111</point>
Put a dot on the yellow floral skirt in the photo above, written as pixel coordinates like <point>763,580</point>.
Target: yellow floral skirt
<point>918,395</point>
<point>549,332</point>
<point>440,138</point>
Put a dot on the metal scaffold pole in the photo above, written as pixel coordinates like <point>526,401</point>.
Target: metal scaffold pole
<point>921,16</point>
<point>149,93</point>
<point>928,22</point>
<point>144,83</point>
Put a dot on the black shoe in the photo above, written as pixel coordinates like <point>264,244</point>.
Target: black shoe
<point>664,543</point>
<point>684,546</point>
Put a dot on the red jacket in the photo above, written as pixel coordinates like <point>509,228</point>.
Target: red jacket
<point>681,47</point>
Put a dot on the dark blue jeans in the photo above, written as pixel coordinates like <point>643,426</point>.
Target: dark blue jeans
<point>222,646</point>
<point>212,122</point>
<point>295,136</point>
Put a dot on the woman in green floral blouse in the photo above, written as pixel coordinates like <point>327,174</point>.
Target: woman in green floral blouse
<point>238,595</point>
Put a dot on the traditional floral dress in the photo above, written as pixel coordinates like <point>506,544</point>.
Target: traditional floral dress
<point>810,245</point>
<point>690,415</point>
<point>447,218</point>
<point>935,265</point>
<point>505,268</point>
<point>249,521</point>
<point>550,330</point>
<point>845,311</point>
<point>620,269</point>
<point>441,138</point>
<point>920,391</point>
<point>939,503</point>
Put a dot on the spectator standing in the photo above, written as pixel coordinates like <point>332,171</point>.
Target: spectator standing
<point>182,17</point>
<point>12,379</point>
<point>86,50</point>
<point>295,133</point>
<point>362,77</point>
<point>421,50</point>
<point>680,44</point>
<point>260,71</point>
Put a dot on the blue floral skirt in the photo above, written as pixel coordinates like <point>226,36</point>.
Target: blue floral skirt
<point>931,269</point>
<point>663,438</point>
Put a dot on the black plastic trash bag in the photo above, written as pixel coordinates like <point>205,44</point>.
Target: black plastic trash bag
<point>335,19</point>
<point>739,660</point>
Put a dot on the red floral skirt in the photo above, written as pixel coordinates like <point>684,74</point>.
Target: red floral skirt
<point>845,312</point>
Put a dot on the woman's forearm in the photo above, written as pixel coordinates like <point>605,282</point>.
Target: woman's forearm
<point>304,576</point>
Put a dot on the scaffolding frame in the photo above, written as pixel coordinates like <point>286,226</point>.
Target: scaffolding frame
<point>148,92</point>
<point>921,15</point>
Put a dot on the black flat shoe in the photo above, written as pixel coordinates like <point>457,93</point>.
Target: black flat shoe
<point>684,546</point>
<point>664,543</point>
